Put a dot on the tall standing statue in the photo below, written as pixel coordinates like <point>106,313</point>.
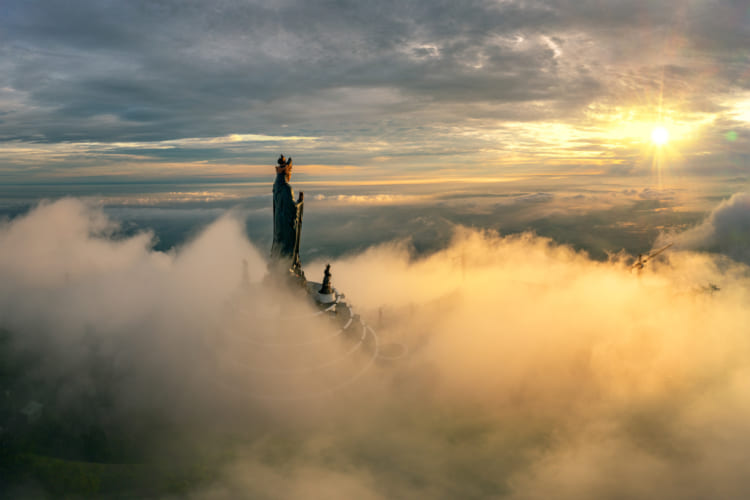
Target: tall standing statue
<point>287,218</point>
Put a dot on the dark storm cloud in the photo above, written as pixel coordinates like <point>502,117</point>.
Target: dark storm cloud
<point>143,70</point>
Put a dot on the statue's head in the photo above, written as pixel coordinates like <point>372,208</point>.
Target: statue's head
<point>284,167</point>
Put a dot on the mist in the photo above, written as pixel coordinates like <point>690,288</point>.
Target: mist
<point>531,370</point>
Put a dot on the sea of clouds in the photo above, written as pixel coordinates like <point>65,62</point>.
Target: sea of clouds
<point>532,371</point>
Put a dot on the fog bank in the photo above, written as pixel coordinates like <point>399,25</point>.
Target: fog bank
<point>532,371</point>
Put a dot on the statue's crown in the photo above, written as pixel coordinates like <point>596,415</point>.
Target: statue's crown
<point>283,165</point>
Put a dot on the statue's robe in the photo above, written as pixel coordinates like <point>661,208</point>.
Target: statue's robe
<point>287,223</point>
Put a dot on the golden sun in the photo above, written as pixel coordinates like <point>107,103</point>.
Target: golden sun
<point>659,136</point>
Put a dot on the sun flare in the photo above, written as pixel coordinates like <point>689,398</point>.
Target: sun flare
<point>659,136</point>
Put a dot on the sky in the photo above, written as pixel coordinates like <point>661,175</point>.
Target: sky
<point>353,91</point>
<point>481,176</point>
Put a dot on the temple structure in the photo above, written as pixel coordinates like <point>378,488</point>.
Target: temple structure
<point>286,269</point>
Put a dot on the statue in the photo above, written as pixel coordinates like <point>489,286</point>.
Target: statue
<point>326,288</point>
<point>287,219</point>
<point>325,295</point>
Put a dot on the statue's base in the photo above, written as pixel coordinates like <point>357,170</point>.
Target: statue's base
<point>313,290</point>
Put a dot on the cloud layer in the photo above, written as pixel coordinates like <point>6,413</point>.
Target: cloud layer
<point>92,84</point>
<point>532,372</point>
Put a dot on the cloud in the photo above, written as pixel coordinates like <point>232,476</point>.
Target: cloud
<point>366,81</point>
<point>532,371</point>
<point>368,199</point>
<point>726,230</point>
